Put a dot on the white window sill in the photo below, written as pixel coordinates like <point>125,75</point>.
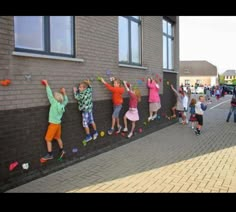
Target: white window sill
<point>131,66</point>
<point>24,54</point>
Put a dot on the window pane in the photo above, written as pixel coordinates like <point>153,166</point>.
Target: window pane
<point>169,29</point>
<point>61,35</point>
<point>135,42</point>
<point>164,52</point>
<point>170,49</point>
<point>137,17</point>
<point>164,26</point>
<point>123,40</point>
<point>29,32</point>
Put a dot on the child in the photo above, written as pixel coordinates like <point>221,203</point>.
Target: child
<point>117,99</point>
<point>200,107</point>
<point>192,118</point>
<point>232,109</point>
<point>58,102</point>
<point>185,104</point>
<point>132,113</point>
<point>154,98</point>
<point>179,105</point>
<point>84,97</point>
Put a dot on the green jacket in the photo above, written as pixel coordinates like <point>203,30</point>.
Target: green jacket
<point>56,109</point>
<point>84,98</point>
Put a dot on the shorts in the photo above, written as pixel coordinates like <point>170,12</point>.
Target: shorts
<point>116,111</point>
<point>199,119</point>
<point>53,132</point>
<point>87,118</point>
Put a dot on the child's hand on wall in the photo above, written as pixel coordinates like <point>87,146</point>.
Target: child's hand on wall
<point>44,82</point>
<point>63,91</point>
<point>74,89</point>
<point>102,80</point>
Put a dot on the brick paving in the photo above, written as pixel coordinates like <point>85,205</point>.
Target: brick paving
<point>171,160</point>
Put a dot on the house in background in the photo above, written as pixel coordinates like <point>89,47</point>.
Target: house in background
<point>229,76</point>
<point>66,50</point>
<point>197,72</point>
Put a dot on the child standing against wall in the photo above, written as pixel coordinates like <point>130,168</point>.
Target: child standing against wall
<point>58,101</point>
<point>117,100</point>
<point>132,113</point>
<point>154,98</point>
<point>85,105</point>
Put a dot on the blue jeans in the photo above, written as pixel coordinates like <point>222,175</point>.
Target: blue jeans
<point>231,110</point>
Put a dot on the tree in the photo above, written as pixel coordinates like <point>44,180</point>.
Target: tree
<point>234,81</point>
<point>221,79</point>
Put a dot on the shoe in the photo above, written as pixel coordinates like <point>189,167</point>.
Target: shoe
<point>47,157</point>
<point>125,129</point>
<point>227,121</point>
<point>192,128</point>
<point>88,138</point>
<point>110,131</point>
<point>62,153</point>
<point>130,135</point>
<point>153,117</point>
<point>149,118</point>
<point>119,129</point>
<point>197,132</point>
<point>95,135</point>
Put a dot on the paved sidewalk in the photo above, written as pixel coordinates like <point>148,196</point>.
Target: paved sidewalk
<point>173,159</point>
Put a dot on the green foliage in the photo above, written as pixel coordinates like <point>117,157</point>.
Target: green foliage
<point>221,79</point>
<point>234,81</point>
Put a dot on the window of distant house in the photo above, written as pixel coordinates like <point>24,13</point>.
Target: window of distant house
<point>52,35</point>
<point>199,82</point>
<point>130,40</point>
<point>168,44</point>
<point>187,82</point>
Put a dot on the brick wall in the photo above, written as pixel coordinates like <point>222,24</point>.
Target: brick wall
<point>24,105</point>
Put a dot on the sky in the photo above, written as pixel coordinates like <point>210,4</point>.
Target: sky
<point>210,38</point>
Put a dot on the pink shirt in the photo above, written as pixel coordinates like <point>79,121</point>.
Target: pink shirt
<point>153,91</point>
<point>133,101</point>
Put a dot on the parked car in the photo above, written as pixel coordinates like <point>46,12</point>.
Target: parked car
<point>228,89</point>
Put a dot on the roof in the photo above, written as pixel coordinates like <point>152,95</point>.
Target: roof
<point>229,73</point>
<point>197,68</point>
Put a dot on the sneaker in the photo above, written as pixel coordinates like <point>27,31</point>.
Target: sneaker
<point>153,117</point>
<point>130,135</point>
<point>88,138</point>
<point>197,132</point>
<point>62,153</point>
<point>119,129</point>
<point>125,129</point>
<point>110,131</point>
<point>47,157</point>
<point>192,128</point>
<point>149,118</point>
<point>95,135</point>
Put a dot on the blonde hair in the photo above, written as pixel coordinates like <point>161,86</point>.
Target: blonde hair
<point>59,97</point>
<point>137,93</point>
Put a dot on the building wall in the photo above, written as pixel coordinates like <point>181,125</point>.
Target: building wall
<point>24,106</point>
<point>205,80</point>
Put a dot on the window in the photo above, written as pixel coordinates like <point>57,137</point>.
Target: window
<point>168,44</point>
<point>187,82</point>
<point>198,82</point>
<point>52,35</point>
<point>130,40</point>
